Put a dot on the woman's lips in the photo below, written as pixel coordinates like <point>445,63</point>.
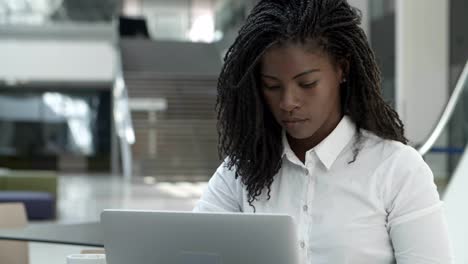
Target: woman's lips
<point>293,123</point>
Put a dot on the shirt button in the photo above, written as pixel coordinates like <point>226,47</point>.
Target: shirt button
<point>302,244</point>
<point>305,208</point>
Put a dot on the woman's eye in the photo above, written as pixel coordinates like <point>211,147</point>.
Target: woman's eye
<point>271,87</point>
<point>309,85</point>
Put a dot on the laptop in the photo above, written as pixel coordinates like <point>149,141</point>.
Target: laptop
<point>160,237</point>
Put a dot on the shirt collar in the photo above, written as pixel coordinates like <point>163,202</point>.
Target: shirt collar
<point>328,150</point>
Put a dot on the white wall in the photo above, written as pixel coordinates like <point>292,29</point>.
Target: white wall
<point>455,198</point>
<point>174,20</point>
<point>167,20</point>
<point>57,52</point>
<point>56,60</point>
<point>422,61</point>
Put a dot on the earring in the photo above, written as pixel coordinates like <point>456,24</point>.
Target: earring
<point>344,80</point>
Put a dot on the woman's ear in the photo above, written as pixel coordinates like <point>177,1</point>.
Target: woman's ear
<point>344,66</point>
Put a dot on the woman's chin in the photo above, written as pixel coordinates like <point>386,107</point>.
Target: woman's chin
<point>298,134</point>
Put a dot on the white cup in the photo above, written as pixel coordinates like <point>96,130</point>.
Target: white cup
<point>86,259</point>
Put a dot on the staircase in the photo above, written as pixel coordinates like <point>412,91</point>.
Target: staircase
<point>177,142</point>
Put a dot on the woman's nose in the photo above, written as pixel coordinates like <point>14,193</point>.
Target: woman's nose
<point>290,99</point>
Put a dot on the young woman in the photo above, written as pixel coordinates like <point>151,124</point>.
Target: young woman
<point>306,132</point>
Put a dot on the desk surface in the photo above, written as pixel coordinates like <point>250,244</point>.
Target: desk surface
<point>83,234</point>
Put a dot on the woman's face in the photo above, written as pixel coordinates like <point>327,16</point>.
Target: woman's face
<point>302,89</point>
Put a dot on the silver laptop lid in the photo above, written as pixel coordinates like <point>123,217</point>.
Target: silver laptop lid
<point>160,237</point>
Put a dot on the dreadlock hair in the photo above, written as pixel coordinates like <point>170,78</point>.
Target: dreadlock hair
<point>248,133</point>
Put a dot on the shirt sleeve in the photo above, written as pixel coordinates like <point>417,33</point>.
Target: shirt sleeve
<point>223,193</point>
<point>416,220</point>
<point>422,240</point>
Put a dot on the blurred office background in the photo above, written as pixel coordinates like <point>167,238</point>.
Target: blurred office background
<point>115,98</point>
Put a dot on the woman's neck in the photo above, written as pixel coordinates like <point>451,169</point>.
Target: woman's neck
<point>301,146</point>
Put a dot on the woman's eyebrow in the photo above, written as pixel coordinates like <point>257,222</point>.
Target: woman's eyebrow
<point>295,77</point>
<point>268,76</point>
<point>305,73</point>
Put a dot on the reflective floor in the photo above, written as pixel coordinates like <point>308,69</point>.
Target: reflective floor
<point>82,198</point>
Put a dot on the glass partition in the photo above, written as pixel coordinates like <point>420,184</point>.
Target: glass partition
<point>54,123</point>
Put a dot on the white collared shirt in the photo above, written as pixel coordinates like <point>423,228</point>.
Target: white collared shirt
<point>381,208</point>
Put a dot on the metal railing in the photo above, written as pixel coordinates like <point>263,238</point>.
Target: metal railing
<point>447,114</point>
<point>121,112</point>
